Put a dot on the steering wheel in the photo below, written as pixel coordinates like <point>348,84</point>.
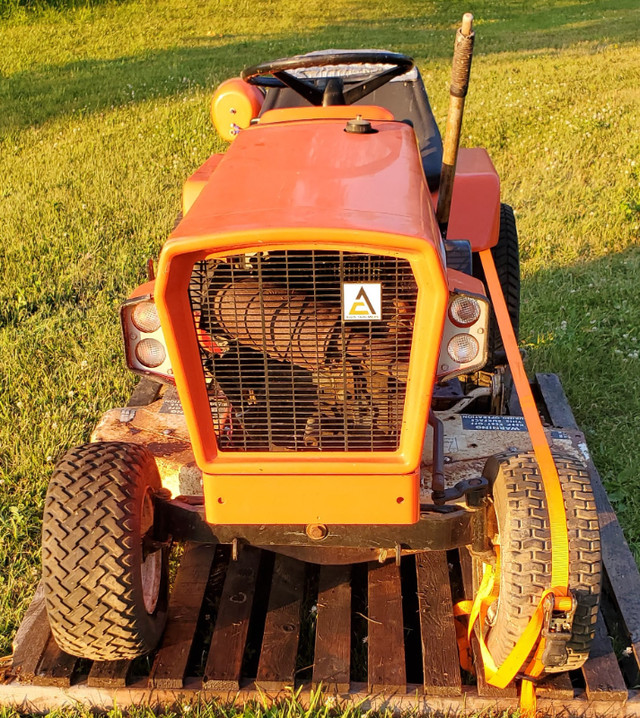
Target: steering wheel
<point>333,93</point>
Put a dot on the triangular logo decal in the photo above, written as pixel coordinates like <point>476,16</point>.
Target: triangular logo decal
<point>362,301</point>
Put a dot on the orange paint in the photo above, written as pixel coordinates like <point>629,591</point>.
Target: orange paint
<point>233,105</point>
<point>475,206</point>
<point>309,185</point>
<point>333,112</point>
<point>461,282</point>
<point>174,308</point>
<point>315,175</point>
<point>312,498</point>
<point>143,290</point>
<point>197,181</point>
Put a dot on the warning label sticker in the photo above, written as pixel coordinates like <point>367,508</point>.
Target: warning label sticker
<point>488,422</point>
<point>171,403</point>
<point>361,301</point>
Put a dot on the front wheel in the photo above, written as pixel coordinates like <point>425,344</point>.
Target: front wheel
<point>523,534</point>
<point>106,587</point>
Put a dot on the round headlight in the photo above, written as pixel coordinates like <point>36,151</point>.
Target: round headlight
<point>150,352</point>
<point>464,311</point>
<point>145,317</point>
<point>463,348</point>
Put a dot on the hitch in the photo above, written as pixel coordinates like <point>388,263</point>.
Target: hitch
<point>473,490</point>
<point>557,630</point>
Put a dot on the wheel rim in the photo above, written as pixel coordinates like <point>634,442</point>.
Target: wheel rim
<point>151,567</point>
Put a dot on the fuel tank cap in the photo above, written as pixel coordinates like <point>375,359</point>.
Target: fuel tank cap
<point>359,126</point>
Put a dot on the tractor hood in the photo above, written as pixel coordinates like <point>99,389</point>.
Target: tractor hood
<point>314,174</point>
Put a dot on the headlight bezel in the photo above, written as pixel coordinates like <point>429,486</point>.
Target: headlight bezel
<point>478,330</point>
<point>132,336</point>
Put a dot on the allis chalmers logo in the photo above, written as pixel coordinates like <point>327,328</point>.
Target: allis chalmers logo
<point>361,301</point>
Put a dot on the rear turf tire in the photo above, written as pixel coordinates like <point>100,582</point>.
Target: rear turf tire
<point>105,599</point>
<point>525,543</point>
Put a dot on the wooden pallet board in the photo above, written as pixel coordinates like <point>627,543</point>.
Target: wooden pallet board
<point>440,662</point>
<point>386,662</point>
<point>332,657</point>
<point>56,667</point>
<point>32,638</point>
<point>602,675</point>
<point>109,674</point>
<point>170,663</point>
<point>224,664</point>
<point>279,623</point>
<point>277,666</point>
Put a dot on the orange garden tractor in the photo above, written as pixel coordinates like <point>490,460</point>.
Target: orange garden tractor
<point>334,323</point>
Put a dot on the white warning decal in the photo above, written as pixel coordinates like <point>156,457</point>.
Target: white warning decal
<point>361,301</point>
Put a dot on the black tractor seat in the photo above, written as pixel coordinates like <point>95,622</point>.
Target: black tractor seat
<point>404,96</point>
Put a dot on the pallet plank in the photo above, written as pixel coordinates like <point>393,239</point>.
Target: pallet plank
<point>184,610</point>
<point>386,662</point>
<point>277,665</point>
<point>602,676</point>
<point>333,629</point>
<point>484,689</point>
<point>144,393</point>
<point>109,674</point>
<point>618,563</point>
<point>513,404</point>
<point>555,399</point>
<point>32,637</point>
<point>56,667</point>
<point>440,660</point>
<point>556,687</point>
<point>617,558</point>
<point>224,661</point>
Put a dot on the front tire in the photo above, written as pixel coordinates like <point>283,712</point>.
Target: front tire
<point>106,598</point>
<point>525,552</point>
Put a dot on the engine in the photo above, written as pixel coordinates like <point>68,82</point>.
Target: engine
<point>305,350</point>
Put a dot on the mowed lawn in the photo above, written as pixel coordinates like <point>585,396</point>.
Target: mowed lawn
<point>104,112</point>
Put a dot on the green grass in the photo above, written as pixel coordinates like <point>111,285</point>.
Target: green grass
<point>104,112</point>
<point>318,706</point>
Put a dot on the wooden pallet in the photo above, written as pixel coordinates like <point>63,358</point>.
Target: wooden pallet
<point>376,634</point>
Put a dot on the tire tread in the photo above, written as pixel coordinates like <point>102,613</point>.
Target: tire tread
<point>527,557</point>
<point>89,550</point>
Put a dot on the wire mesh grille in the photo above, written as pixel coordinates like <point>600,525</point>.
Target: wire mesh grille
<point>289,363</point>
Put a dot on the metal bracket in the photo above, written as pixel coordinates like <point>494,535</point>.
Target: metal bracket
<point>557,631</point>
<point>151,545</point>
<point>473,490</point>
<point>531,679</point>
<point>439,528</point>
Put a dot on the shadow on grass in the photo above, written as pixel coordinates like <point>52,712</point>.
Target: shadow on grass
<point>92,85</point>
<point>11,7</point>
<point>583,323</point>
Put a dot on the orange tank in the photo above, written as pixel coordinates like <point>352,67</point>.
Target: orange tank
<point>233,106</point>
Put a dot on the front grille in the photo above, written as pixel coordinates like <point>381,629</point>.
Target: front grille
<point>285,369</point>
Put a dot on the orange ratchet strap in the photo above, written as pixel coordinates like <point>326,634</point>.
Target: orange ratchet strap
<point>531,637</point>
